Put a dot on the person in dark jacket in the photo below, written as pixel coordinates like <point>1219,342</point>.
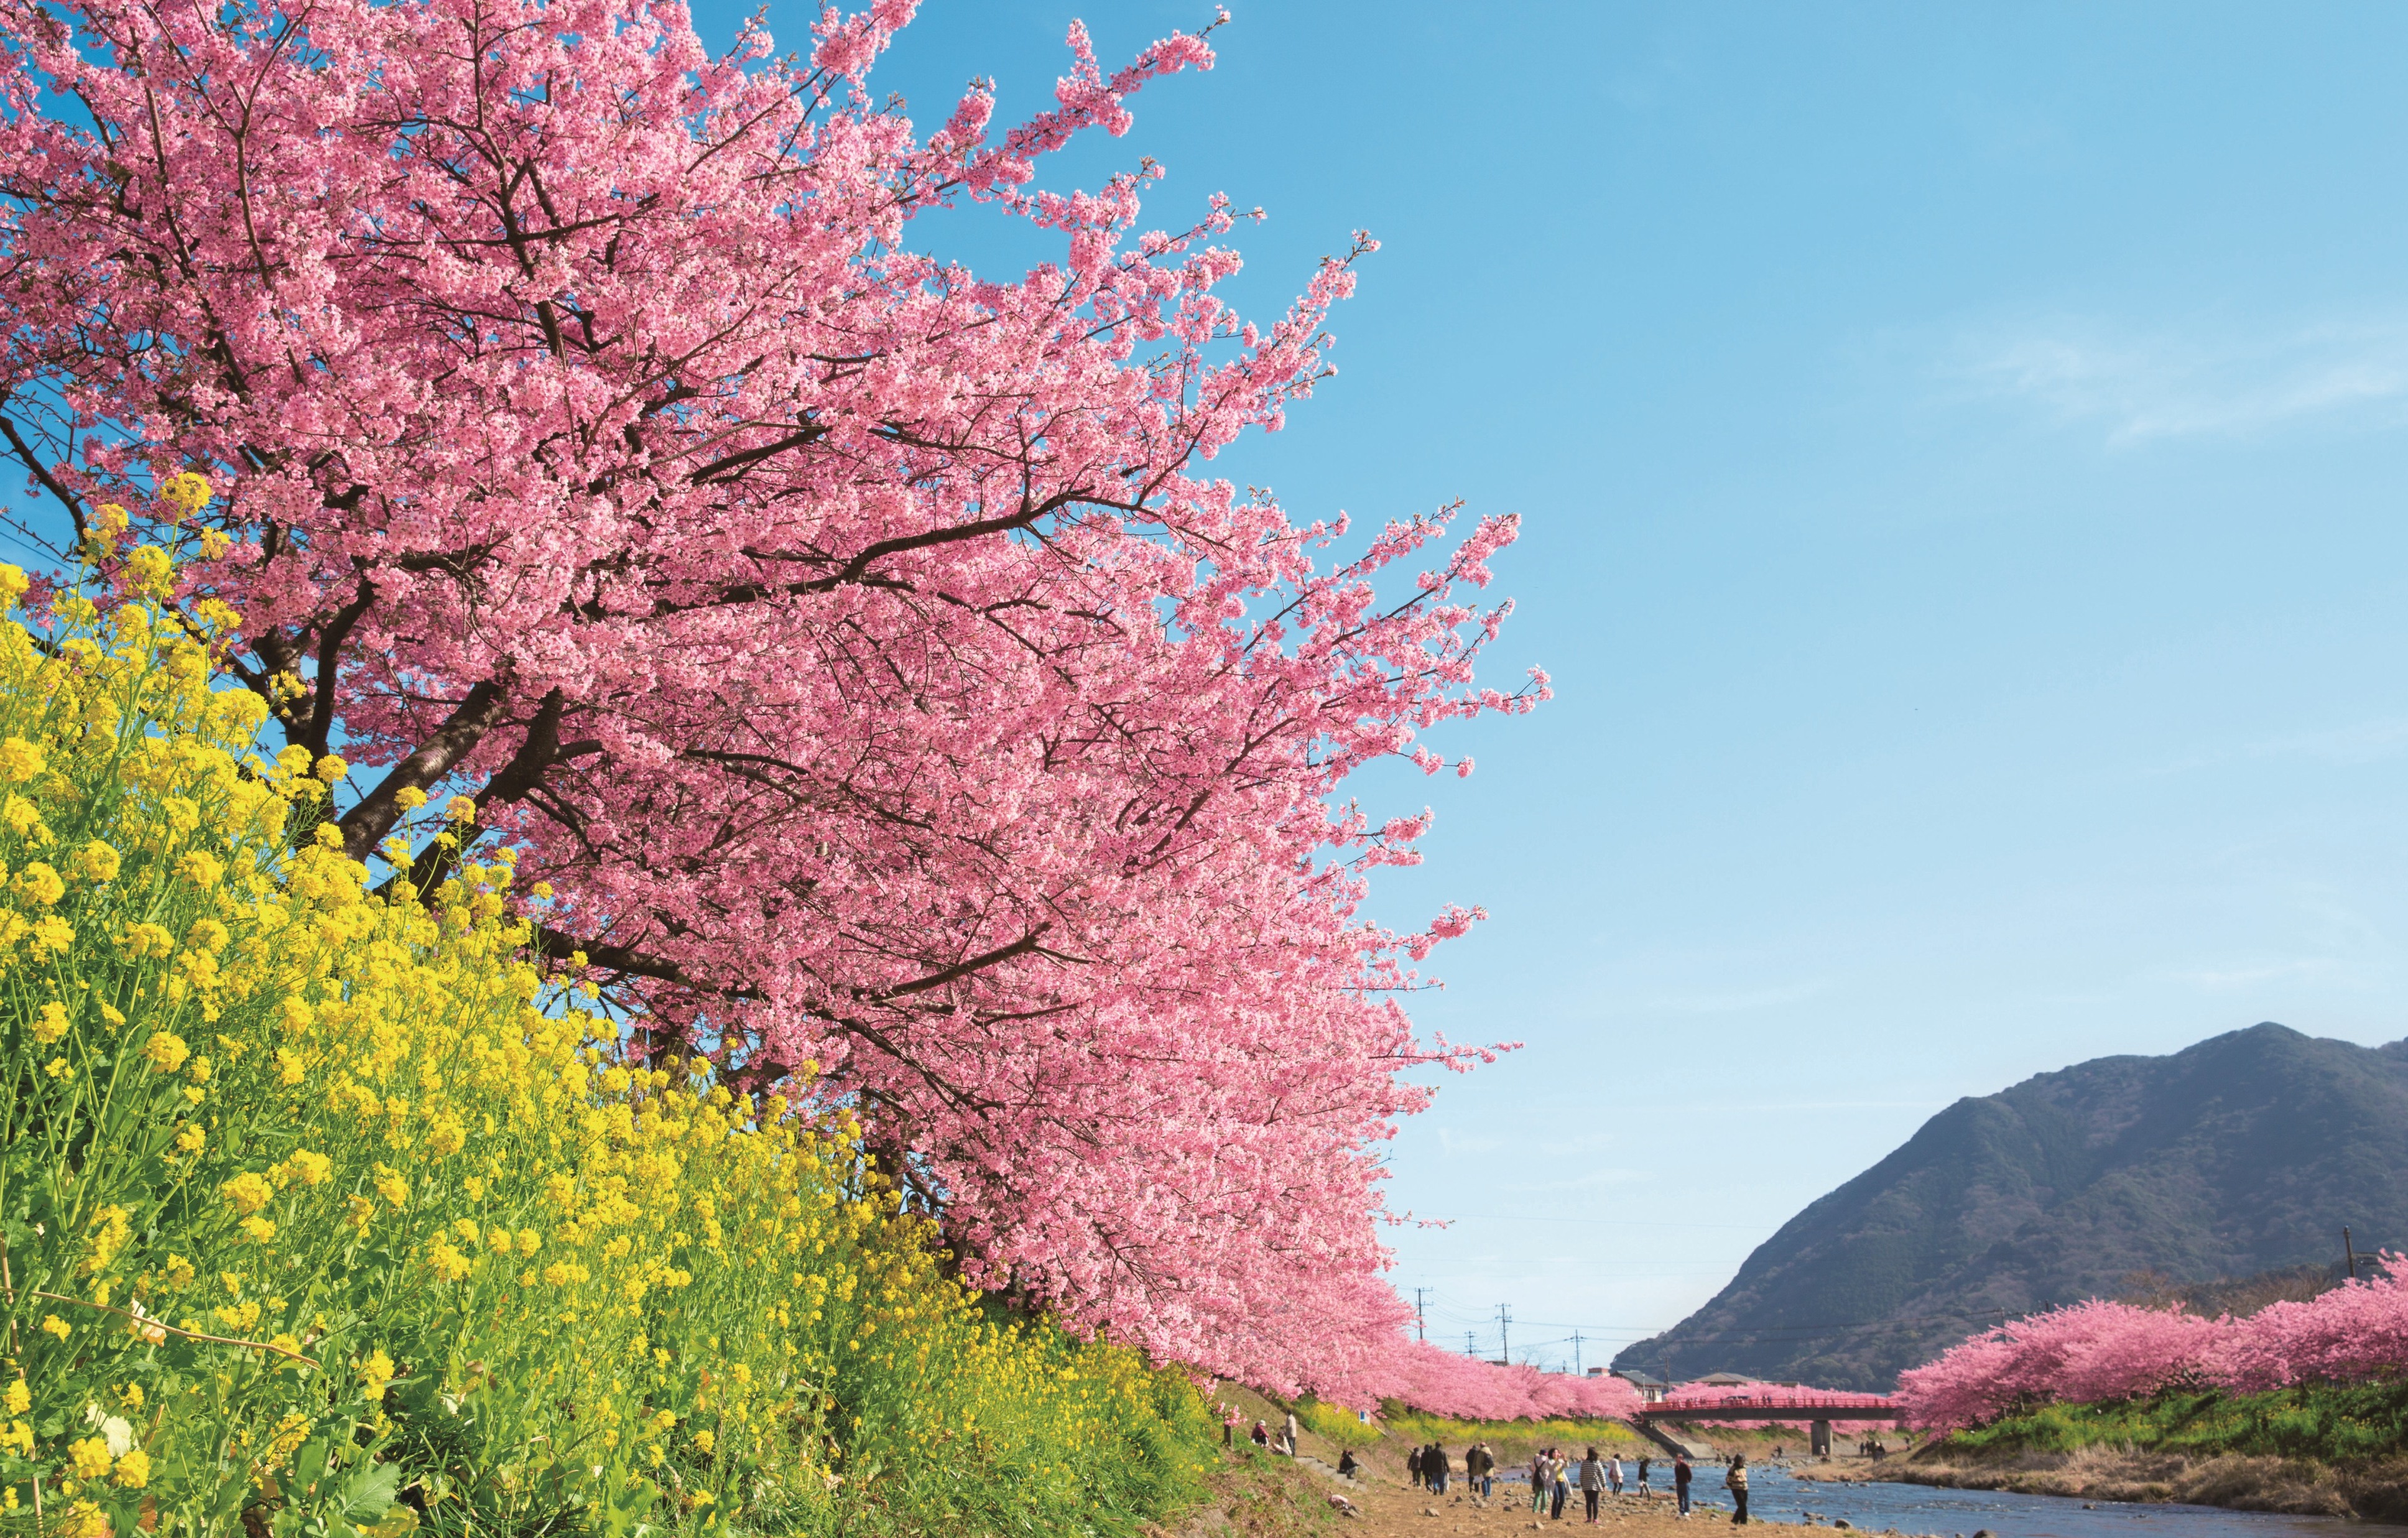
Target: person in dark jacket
<point>1681,1482</point>
<point>1736,1482</point>
<point>1434,1463</point>
<point>1414,1467</point>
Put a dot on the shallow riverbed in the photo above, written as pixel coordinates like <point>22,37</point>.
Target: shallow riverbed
<point>1923,1509</point>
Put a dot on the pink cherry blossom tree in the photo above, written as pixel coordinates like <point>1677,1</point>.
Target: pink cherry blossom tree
<point>2094,1351</point>
<point>859,646</point>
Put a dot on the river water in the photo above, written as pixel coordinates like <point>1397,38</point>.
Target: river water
<point>1925,1509</point>
<point>1959,1514</point>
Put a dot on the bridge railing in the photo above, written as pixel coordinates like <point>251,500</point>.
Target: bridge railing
<point>1771,1401</point>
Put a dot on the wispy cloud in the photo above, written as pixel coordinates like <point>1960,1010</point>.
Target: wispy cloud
<point>2364,742</point>
<point>2374,741</point>
<point>1451,1142</point>
<point>2198,383</point>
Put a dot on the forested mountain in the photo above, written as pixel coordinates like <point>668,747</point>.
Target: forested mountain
<point>2243,1155</point>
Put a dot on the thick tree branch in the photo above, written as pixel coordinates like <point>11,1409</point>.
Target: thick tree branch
<point>50,482</point>
<point>1022,946</point>
<point>368,822</point>
<point>330,658</point>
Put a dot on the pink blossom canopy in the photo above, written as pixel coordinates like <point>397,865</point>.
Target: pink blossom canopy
<point>857,645</point>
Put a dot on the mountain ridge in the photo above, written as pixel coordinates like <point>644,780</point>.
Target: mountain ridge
<point>2243,1153</point>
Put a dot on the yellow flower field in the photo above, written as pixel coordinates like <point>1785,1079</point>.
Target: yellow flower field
<point>329,1213</point>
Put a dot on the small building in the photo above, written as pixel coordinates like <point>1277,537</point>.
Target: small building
<point>1724,1380</point>
<point>1651,1389</point>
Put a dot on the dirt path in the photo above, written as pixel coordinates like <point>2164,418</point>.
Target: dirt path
<point>1390,1509</point>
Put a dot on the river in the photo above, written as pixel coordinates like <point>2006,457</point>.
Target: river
<point>1925,1508</point>
<point>1880,1505</point>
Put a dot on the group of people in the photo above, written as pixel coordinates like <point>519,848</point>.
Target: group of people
<point>1553,1475</point>
<point>1431,1468</point>
<point>1282,1443</point>
<point>1734,1480</point>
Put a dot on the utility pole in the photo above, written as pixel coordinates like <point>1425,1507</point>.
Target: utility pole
<point>1421,1332</point>
<point>1467,1344</point>
<point>1504,1325</point>
<point>1576,1356</point>
<point>2348,1253</point>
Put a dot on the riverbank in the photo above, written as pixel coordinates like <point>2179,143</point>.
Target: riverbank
<point>2373,1491</point>
<point>2324,1450</point>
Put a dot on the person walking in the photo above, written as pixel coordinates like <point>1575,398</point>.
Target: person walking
<point>1539,1480</point>
<point>1477,1461</point>
<point>1592,1484</point>
<point>1680,1481</point>
<point>1438,1467</point>
<point>1736,1482</point>
<point>1414,1467</point>
<point>1644,1493</point>
<point>1613,1474</point>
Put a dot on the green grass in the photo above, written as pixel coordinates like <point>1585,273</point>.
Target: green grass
<point>2332,1423</point>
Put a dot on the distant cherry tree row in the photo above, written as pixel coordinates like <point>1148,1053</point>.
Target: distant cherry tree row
<point>2097,1351</point>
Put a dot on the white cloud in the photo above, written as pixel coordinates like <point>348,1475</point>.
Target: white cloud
<point>2198,384</point>
<point>1451,1142</point>
<point>2364,743</point>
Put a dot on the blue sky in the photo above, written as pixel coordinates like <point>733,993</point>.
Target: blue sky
<point>1963,459</point>
<point>1962,455</point>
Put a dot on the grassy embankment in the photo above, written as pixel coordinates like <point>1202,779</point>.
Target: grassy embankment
<point>2341,1450</point>
<point>332,1212</point>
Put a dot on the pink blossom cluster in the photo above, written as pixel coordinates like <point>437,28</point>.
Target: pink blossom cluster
<point>1444,1383</point>
<point>1715,1402</point>
<point>2097,1350</point>
<point>860,648</point>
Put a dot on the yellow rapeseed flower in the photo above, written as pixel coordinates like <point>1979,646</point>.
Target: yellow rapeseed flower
<point>89,1458</point>
<point>152,570</point>
<point>186,491</point>
<point>39,885</point>
<point>97,862</point>
<point>20,760</point>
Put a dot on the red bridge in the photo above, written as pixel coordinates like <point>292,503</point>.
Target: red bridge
<point>1799,1407</point>
<point>1818,1410</point>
